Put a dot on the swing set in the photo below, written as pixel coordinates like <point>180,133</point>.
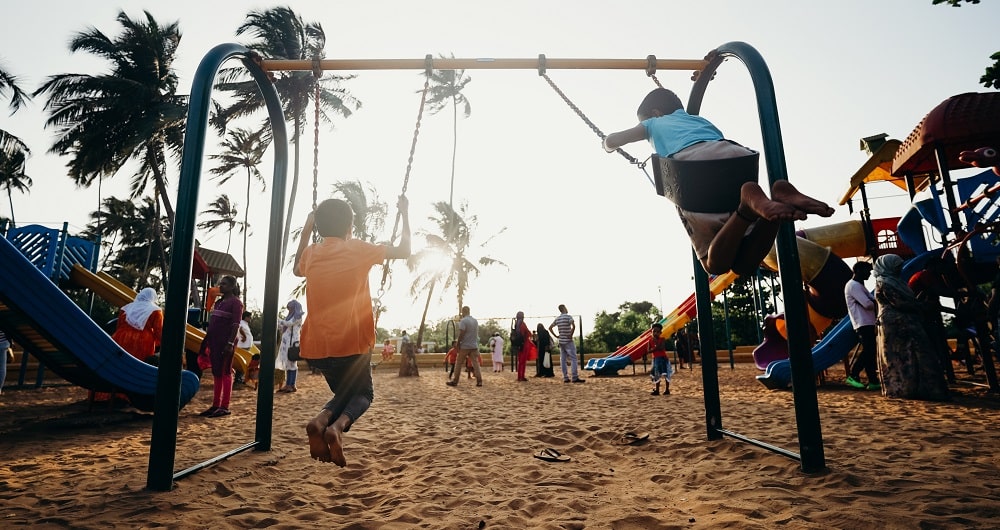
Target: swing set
<point>161,475</point>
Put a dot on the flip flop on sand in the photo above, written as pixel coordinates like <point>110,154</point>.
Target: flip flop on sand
<point>551,455</point>
<point>631,438</point>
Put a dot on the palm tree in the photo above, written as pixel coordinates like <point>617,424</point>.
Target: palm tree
<point>446,90</point>
<point>449,245</point>
<point>13,151</point>
<point>12,176</point>
<point>242,150</point>
<point>225,215</point>
<point>369,217</point>
<point>131,113</point>
<point>279,33</point>
<point>126,230</point>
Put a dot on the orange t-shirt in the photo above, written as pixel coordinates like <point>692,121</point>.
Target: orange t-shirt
<point>339,320</point>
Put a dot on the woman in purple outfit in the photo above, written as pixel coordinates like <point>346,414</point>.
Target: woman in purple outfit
<point>220,337</point>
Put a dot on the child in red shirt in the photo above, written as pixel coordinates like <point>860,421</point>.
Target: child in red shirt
<point>657,345</point>
<point>450,358</point>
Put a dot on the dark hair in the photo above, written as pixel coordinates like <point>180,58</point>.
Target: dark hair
<point>860,266</point>
<point>236,284</point>
<point>657,325</point>
<point>247,314</point>
<point>659,99</point>
<point>334,218</point>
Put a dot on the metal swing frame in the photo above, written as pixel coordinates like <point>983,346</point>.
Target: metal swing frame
<point>163,445</point>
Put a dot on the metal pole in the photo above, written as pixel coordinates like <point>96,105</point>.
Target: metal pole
<point>796,319</point>
<point>163,443</point>
<point>709,360</point>
<point>485,63</point>
<point>729,339</point>
<point>800,353</point>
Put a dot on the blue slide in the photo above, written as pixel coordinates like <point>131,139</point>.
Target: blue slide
<point>47,324</point>
<point>837,343</point>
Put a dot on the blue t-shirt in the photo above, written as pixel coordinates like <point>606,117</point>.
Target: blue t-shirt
<point>673,132</point>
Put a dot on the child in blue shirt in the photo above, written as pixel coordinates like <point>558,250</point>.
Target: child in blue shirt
<point>722,241</point>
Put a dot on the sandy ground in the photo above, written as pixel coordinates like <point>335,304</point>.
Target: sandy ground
<point>431,456</point>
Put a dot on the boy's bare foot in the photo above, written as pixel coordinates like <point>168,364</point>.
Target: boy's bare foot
<point>318,447</point>
<point>754,198</point>
<point>334,445</point>
<point>784,192</point>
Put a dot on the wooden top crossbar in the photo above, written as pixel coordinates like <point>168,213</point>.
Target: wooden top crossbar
<point>437,63</point>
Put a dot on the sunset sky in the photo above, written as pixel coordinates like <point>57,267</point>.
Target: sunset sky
<point>583,228</point>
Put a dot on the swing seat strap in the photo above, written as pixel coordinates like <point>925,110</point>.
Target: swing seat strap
<point>706,186</point>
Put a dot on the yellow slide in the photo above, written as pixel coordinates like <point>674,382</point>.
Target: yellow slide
<point>119,294</point>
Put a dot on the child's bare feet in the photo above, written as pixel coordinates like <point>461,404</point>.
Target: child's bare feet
<point>334,445</point>
<point>784,192</point>
<point>754,198</point>
<point>318,447</point>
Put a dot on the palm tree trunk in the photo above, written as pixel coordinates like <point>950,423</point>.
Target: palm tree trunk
<point>10,199</point>
<point>454,148</point>
<point>407,362</point>
<point>163,196</point>
<point>291,195</point>
<point>246,225</point>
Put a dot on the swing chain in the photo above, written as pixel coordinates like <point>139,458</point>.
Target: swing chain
<point>429,61</point>
<point>651,69</point>
<point>632,160</point>
<point>317,91</point>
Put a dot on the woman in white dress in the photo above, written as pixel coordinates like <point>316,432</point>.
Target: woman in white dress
<point>290,328</point>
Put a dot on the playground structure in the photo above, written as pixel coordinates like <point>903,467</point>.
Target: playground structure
<point>678,318</point>
<point>50,326</point>
<point>163,446</point>
<point>922,166</point>
<point>66,261</point>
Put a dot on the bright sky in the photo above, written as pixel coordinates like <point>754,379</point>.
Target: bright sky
<point>583,227</point>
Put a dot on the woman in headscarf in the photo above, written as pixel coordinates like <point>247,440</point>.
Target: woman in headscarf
<point>138,331</point>
<point>909,367</point>
<point>523,345</point>
<point>140,325</point>
<point>290,328</point>
<point>543,342</point>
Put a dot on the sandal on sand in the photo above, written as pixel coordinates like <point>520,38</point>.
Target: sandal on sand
<point>631,438</point>
<point>551,455</point>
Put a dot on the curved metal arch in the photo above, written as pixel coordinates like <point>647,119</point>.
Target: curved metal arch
<point>163,445</point>
<point>810,437</point>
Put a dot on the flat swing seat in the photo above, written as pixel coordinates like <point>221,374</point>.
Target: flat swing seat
<point>706,186</point>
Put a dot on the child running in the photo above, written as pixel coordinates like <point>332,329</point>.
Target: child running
<point>338,336</point>
<point>722,241</point>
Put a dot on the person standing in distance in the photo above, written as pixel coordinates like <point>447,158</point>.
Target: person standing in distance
<point>468,347</point>
<point>861,309</point>
<point>339,336</point>
<point>567,348</point>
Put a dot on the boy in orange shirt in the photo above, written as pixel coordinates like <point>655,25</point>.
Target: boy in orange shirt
<point>338,336</point>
